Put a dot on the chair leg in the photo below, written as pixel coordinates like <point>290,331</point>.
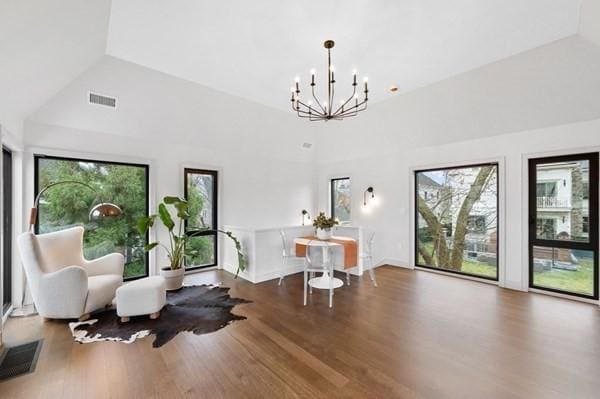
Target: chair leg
<point>331,288</point>
<point>305,283</point>
<point>347,278</point>
<point>372,274</point>
<point>283,267</point>
<point>155,315</point>
<point>124,319</point>
<point>312,275</point>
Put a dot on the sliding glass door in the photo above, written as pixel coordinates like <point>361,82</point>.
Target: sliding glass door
<point>456,220</point>
<point>7,217</point>
<point>563,224</point>
<point>201,190</point>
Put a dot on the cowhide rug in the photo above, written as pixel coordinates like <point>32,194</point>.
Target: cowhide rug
<point>200,309</point>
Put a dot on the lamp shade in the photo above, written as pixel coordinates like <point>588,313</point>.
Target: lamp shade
<point>104,210</point>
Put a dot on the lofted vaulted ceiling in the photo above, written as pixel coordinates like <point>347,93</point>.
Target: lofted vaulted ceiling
<point>254,49</point>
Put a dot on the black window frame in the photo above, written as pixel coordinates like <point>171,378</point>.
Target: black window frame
<point>331,196</point>
<point>215,216</point>
<point>7,220</point>
<point>591,245</point>
<point>498,220</point>
<point>37,157</point>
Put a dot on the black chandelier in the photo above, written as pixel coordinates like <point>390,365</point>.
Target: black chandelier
<point>324,111</point>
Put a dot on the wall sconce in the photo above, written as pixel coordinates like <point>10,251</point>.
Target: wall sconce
<point>368,190</point>
<point>305,214</point>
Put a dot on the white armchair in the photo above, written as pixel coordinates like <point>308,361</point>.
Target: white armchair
<point>63,283</point>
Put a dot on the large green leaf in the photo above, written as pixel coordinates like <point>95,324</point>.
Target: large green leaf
<point>145,223</point>
<point>150,247</point>
<point>165,217</point>
<point>170,200</point>
<point>182,210</point>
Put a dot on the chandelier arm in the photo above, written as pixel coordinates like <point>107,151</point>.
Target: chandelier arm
<point>309,107</point>
<point>306,114</point>
<point>301,112</point>
<point>351,110</point>
<point>354,110</point>
<point>341,110</point>
<point>316,100</point>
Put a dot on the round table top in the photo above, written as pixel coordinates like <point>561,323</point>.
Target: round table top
<point>315,243</point>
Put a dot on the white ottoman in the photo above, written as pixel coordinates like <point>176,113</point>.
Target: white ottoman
<point>141,297</point>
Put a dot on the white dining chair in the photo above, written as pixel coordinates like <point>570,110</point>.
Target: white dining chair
<point>367,258</point>
<point>317,264</point>
<point>287,252</point>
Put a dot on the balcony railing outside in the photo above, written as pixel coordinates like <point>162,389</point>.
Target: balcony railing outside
<point>553,202</point>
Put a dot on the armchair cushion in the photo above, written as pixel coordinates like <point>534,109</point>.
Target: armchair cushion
<point>101,291</point>
<point>108,264</point>
<point>60,248</point>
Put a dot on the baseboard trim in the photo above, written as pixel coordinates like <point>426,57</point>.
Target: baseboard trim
<point>513,285</point>
<point>394,262</point>
<point>276,274</point>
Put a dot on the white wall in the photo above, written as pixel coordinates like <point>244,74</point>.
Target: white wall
<point>390,175</point>
<point>447,123</point>
<point>266,178</point>
<point>589,26</point>
<point>43,46</point>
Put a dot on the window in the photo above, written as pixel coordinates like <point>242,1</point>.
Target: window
<point>200,187</point>
<point>341,199</point>
<point>476,224</point>
<point>546,228</point>
<point>7,229</point>
<point>125,185</point>
<point>458,232</point>
<point>563,233</point>
<point>546,189</point>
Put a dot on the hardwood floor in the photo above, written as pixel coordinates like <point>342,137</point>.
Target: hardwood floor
<point>419,335</point>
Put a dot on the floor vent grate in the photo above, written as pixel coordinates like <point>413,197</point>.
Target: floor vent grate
<point>19,360</point>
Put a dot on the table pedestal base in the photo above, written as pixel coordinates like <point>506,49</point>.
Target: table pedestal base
<point>322,282</point>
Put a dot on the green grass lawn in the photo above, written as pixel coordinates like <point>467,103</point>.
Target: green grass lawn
<point>469,267</point>
<point>580,281</point>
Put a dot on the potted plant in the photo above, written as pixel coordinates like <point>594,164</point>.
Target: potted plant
<point>324,225</point>
<point>178,238</point>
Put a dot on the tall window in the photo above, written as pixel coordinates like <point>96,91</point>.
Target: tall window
<point>341,199</point>
<point>456,216</point>
<point>563,228</point>
<point>125,185</point>
<point>7,229</point>
<point>201,193</point>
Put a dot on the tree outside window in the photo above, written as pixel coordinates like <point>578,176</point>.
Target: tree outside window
<point>341,199</point>
<point>125,185</point>
<point>457,220</point>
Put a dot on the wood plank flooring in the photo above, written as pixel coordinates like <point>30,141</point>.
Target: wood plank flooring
<point>419,335</point>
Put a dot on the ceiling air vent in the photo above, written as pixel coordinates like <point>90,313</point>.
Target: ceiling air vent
<point>99,99</point>
<point>306,145</point>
